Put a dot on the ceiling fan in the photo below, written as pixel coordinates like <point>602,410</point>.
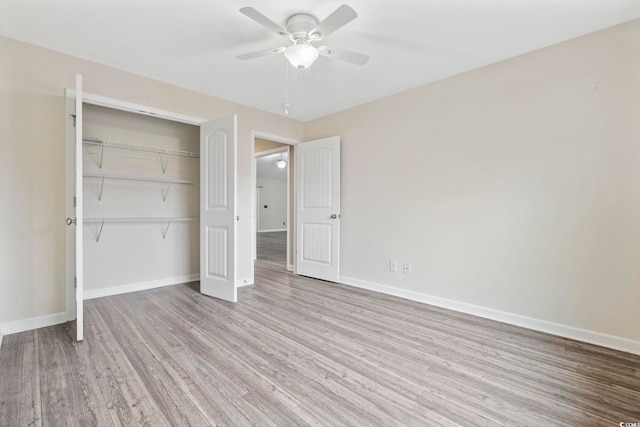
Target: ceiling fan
<point>303,31</point>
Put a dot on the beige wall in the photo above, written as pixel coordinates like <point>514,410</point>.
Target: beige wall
<point>515,187</point>
<point>32,161</point>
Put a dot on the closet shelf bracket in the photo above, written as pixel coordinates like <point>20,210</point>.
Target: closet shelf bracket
<point>101,189</point>
<point>163,162</point>
<point>166,230</point>
<point>101,156</point>
<point>166,193</point>
<point>100,232</point>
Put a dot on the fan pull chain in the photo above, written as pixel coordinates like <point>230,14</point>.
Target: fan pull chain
<point>287,103</point>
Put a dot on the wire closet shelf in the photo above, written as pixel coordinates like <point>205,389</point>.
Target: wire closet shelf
<point>110,144</point>
<point>168,220</point>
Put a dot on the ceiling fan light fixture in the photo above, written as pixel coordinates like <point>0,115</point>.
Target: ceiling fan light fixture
<point>282,163</point>
<point>301,54</point>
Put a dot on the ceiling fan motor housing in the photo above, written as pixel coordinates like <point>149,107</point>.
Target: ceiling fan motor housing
<point>300,24</point>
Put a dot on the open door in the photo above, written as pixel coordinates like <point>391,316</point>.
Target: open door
<point>218,212</point>
<point>77,220</point>
<point>318,208</point>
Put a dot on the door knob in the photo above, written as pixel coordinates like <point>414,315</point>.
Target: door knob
<point>71,221</point>
<point>334,216</point>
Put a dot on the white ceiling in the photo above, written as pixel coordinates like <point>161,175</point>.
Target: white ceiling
<point>266,167</point>
<point>193,43</point>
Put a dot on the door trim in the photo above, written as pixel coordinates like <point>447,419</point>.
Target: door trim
<point>145,110</point>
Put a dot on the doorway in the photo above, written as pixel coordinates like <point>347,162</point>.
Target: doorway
<point>271,205</point>
<point>272,235</point>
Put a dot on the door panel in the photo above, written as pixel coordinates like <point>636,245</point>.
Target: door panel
<point>318,208</point>
<point>218,213</point>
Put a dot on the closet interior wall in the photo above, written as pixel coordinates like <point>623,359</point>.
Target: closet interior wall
<point>132,252</point>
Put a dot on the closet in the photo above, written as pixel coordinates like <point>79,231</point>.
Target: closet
<point>150,199</point>
<point>141,201</point>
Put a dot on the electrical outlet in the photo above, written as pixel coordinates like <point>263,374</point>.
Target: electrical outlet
<point>393,265</point>
<point>406,268</point>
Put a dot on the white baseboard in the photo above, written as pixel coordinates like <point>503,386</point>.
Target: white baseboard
<point>290,267</point>
<point>32,323</point>
<point>584,335</point>
<point>272,230</point>
<point>140,286</point>
<point>54,319</point>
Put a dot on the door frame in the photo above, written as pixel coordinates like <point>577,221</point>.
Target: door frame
<point>291,229</point>
<point>116,104</point>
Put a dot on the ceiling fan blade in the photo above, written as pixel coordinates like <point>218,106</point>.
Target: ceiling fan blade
<point>340,17</point>
<point>343,55</point>
<point>261,53</point>
<point>264,21</point>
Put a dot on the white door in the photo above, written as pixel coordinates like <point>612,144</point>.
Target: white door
<point>218,213</point>
<point>77,219</point>
<point>318,208</point>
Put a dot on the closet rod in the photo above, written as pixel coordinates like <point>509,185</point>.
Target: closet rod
<point>103,143</point>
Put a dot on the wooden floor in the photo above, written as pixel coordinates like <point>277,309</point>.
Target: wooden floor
<point>296,351</point>
<point>271,247</point>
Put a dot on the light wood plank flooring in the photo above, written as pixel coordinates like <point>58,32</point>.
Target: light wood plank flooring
<point>297,351</point>
<point>272,247</point>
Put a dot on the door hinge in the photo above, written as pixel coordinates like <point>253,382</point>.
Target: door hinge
<point>74,120</point>
<point>75,201</point>
<point>75,282</point>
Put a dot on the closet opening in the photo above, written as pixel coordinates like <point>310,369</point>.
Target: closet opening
<point>135,180</point>
<point>141,201</point>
